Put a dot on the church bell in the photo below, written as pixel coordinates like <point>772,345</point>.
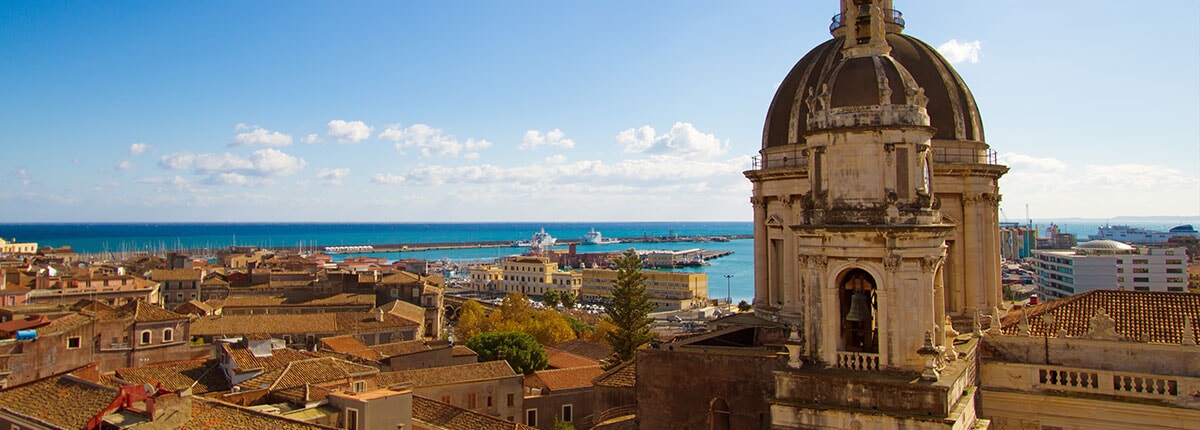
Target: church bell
<point>860,307</point>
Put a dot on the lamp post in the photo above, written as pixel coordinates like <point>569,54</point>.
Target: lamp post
<point>728,290</point>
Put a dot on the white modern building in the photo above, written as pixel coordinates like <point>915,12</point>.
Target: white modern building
<point>1108,265</point>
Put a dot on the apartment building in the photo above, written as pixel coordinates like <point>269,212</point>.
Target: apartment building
<point>668,290</point>
<point>1110,265</point>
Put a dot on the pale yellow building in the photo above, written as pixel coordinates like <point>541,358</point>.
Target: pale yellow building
<point>667,290</point>
<point>531,276</point>
<point>15,247</point>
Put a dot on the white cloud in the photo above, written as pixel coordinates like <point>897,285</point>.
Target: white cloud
<point>264,163</point>
<point>261,137</point>
<point>431,142</point>
<point>1021,161</point>
<point>226,179</point>
<point>125,165</point>
<point>138,148</point>
<point>348,131</point>
<point>241,126</point>
<point>333,176</point>
<point>471,156</point>
<point>23,176</point>
<point>683,140</point>
<point>175,181</point>
<point>312,138</point>
<point>556,159</point>
<point>387,179</point>
<point>1053,188</point>
<point>661,169</point>
<point>556,138</point>
<point>958,52</point>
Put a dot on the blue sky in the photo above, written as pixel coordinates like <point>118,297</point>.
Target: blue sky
<point>546,111</point>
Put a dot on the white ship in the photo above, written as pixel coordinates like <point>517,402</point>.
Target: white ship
<point>1141,236</point>
<point>595,238</point>
<point>541,240</point>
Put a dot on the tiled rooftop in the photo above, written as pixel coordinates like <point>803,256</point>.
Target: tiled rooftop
<point>463,351</point>
<point>585,348</point>
<point>343,299</point>
<point>244,360</point>
<point>565,379</point>
<point>622,376</point>
<point>434,414</point>
<point>348,345</point>
<point>137,311</point>
<point>59,400</point>
<point>449,374</point>
<point>303,394</point>
<point>213,414</point>
<point>161,275</point>
<point>560,359</point>
<point>311,371</point>
<point>1160,315</point>
<point>334,322</point>
<point>65,324</point>
<point>202,376</point>
<point>395,349</point>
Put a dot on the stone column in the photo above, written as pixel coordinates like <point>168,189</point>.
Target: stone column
<point>760,249</point>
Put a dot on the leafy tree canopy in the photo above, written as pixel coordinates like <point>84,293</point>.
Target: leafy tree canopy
<point>520,350</point>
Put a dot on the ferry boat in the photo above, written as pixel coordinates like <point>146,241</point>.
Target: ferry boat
<point>1141,236</point>
<point>349,249</point>
<point>595,238</point>
<point>541,240</point>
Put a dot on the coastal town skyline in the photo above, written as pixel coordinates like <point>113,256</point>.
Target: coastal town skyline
<point>477,112</point>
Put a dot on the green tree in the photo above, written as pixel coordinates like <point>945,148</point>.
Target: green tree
<point>628,310</point>
<point>744,307</point>
<point>580,328</point>
<point>520,350</point>
<point>568,299</point>
<point>562,425</point>
<point>551,299</point>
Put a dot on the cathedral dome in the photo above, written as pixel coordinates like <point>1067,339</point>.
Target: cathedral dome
<point>951,107</point>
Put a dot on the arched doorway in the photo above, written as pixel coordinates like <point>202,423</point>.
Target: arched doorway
<point>859,306</point>
<point>718,414</point>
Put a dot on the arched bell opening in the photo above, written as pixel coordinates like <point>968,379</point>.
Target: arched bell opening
<point>859,307</point>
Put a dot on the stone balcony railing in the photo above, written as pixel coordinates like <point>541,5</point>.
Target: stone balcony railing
<point>1040,377</point>
<point>857,360</point>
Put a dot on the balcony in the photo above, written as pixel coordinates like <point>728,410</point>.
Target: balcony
<point>964,155</point>
<point>857,361</point>
<point>794,158</point>
<point>892,16</point>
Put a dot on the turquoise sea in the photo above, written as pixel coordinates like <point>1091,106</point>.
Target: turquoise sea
<point>132,237</point>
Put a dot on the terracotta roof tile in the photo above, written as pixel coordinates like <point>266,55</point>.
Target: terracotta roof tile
<point>348,345</point>
<point>244,360</point>
<point>303,394</point>
<point>160,275</point>
<point>212,414</point>
<point>59,400</point>
<point>586,348</point>
<point>343,299</point>
<point>463,351</point>
<point>449,374</point>
<point>333,322</point>
<point>202,376</point>
<point>622,376</point>
<point>559,359</point>
<point>1160,315</point>
<point>311,371</point>
<point>66,324</point>
<point>565,379</point>
<point>435,414</point>
<point>395,349</point>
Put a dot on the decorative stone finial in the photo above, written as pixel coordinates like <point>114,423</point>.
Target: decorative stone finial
<point>1023,326</point>
<point>930,353</point>
<point>1102,327</point>
<point>994,327</point>
<point>976,326</point>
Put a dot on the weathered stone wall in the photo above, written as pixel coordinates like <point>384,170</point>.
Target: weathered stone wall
<point>675,388</point>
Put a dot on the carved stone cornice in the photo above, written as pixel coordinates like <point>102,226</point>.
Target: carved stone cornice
<point>988,199</point>
<point>758,202</point>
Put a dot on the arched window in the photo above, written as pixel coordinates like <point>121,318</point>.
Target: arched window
<point>858,306</point>
<point>168,335</point>
<point>718,414</point>
<point>145,337</point>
